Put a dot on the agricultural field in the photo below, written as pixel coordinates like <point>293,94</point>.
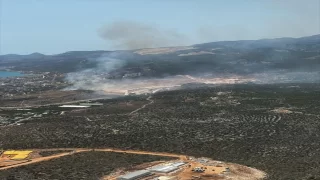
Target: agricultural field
<point>274,128</point>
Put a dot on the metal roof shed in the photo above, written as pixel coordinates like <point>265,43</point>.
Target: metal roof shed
<point>134,175</point>
<point>164,169</point>
<point>177,164</point>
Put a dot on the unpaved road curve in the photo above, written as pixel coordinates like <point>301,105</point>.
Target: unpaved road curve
<point>240,174</point>
<point>78,150</point>
<point>142,107</point>
<point>182,157</point>
<point>117,151</point>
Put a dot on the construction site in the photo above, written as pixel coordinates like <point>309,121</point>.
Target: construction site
<point>174,170</point>
<point>181,168</point>
<point>190,169</point>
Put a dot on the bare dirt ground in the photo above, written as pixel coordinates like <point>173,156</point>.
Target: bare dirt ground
<point>282,110</point>
<point>168,83</point>
<point>212,172</point>
<point>240,172</point>
<point>162,50</point>
<point>196,53</point>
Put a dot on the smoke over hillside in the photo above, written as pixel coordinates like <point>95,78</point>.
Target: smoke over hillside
<point>102,78</point>
<point>134,35</point>
<point>285,60</point>
<point>92,78</point>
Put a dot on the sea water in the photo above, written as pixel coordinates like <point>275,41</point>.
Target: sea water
<point>4,74</point>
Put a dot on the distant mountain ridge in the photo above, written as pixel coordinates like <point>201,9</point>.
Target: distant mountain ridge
<point>265,43</point>
<point>260,43</point>
<point>244,56</point>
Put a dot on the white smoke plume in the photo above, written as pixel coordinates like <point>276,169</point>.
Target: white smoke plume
<point>91,79</point>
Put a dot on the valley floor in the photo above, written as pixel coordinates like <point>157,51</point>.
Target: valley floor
<point>274,128</point>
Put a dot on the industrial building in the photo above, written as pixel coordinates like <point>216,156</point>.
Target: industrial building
<point>91,104</point>
<point>166,168</point>
<point>163,168</point>
<point>135,175</point>
<point>167,178</point>
<point>178,164</point>
<point>74,106</point>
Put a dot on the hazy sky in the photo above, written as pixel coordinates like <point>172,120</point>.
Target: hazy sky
<point>56,26</point>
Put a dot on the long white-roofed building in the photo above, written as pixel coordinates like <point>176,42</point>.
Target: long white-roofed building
<point>135,175</point>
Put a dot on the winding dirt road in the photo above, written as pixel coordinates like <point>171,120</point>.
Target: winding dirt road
<point>144,106</point>
<point>239,172</point>
<point>78,150</point>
